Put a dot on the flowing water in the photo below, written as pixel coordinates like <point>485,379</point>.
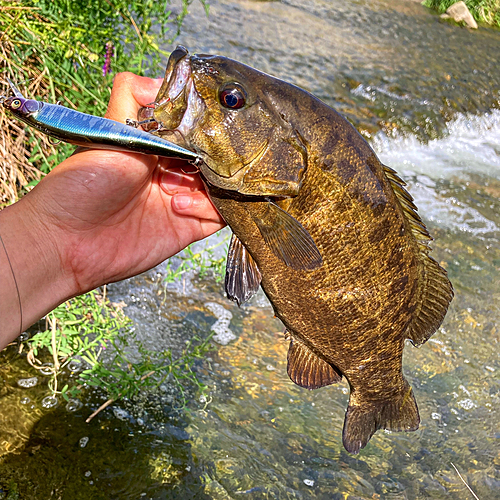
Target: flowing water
<point>423,92</point>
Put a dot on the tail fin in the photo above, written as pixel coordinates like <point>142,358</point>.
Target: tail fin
<point>361,421</point>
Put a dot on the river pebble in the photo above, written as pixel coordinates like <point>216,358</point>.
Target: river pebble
<point>47,369</point>
<point>49,402</point>
<point>74,405</point>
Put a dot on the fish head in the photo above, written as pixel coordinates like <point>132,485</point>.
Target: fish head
<point>230,115</point>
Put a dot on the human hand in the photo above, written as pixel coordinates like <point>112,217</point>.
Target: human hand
<point>102,216</point>
<point>115,212</point>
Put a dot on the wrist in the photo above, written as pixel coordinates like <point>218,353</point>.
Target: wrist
<point>30,268</point>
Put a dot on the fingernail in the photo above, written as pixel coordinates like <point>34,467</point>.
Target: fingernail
<point>182,201</point>
<point>170,181</point>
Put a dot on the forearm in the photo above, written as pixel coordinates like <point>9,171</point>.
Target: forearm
<point>32,281</point>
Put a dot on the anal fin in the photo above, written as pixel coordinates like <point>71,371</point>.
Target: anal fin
<point>307,369</point>
<point>242,274</point>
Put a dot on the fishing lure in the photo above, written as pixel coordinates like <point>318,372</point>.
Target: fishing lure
<point>86,130</point>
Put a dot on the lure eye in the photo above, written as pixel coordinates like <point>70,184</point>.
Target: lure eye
<point>232,97</point>
<point>15,103</point>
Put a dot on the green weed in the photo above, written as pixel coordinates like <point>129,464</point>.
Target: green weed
<point>486,11</point>
<point>204,261</point>
<point>90,341</point>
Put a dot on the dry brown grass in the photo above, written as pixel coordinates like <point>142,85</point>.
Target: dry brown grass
<point>16,141</point>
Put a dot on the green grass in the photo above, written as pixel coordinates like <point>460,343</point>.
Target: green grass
<point>87,343</point>
<point>485,11</point>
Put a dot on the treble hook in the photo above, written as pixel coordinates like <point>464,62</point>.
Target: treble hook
<point>14,89</point>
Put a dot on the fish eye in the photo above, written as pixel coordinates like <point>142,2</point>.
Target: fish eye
<point>232,96</point>
<point>15,103</point>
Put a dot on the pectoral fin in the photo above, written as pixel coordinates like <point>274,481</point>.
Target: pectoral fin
<point>287,238</point>
<point>242,274</point>
<point>308,370</point>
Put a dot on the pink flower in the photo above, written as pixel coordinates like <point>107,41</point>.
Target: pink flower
<point>107,61</point>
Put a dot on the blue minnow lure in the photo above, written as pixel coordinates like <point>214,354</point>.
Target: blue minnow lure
<point>90,131</point>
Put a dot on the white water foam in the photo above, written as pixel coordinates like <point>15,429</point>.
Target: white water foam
<point>223,334</point>
<point>472,146</point>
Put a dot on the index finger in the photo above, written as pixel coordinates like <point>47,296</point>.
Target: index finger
<point>129,93</point>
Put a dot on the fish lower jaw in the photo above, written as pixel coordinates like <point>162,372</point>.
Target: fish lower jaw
<point>173,136</point>
<point>194,109</point>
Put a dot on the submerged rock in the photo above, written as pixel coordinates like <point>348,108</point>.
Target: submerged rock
<point>459,12</point>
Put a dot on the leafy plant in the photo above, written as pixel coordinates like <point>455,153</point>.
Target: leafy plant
<point>204,261</point>
<point>486,11</point>
<point>91,338</point>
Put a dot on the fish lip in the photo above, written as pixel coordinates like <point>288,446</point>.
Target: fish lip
<point>175,57</point>
<point>171,101</point>
<point>178,91</point>
<point>179,53</point>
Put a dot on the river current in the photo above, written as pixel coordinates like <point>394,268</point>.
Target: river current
<point>425,94</point>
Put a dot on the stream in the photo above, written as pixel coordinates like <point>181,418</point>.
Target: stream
<point>426,94</point>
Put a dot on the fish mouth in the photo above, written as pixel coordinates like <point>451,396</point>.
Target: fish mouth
<point>177,106</point>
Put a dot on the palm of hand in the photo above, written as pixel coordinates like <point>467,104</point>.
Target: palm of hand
<point>112,211</point>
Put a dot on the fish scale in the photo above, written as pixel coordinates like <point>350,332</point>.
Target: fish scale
<point>329,231</point>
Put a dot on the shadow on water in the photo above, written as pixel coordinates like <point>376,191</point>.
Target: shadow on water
<point>388,66</point>
<point>66,458</point>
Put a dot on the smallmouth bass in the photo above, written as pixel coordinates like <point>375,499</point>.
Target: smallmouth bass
<point>329,232</point>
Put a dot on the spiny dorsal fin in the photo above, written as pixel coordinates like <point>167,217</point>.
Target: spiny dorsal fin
<point>405,198</point>
<point>242,274</point>
<point>308,370</point>
<point>435,290</point>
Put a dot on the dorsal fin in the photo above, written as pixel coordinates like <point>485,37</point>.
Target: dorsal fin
<point>308,370</point>
<point>435,290</point>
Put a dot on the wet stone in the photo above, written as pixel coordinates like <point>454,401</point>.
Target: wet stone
<point>73,405</point>
<point>83,442</point>
<point>460,13</point>
<point>47,369</point>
